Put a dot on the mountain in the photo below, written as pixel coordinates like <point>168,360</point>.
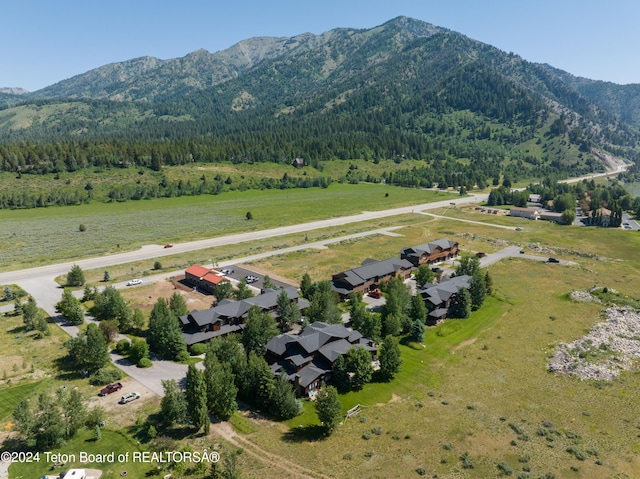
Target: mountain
<point>404,89</point>
<point>13,91</point>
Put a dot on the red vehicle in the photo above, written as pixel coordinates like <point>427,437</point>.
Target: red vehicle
<point>110,388</point>
<point>375,294</point>
<point>168,245</point>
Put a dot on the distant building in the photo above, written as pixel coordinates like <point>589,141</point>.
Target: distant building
<point>533,198</point>
<point>599,217</point>
<point>298,163</point>
<point>551,216</point>
<point>529,212</point>
<point>307,358</point>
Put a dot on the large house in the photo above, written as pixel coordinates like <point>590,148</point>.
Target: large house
<point>370,275</point>
<point>433,252</point>
<point>531,212</point>
<point>307,358</point>
<point>437,297</point>
<point>228,316</point>
<point>203,278</point>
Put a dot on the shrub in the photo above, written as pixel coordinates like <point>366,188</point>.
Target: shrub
<point>105,376</point>
<point>157,265</point>
<point>82,228</point>
<point>182,356</point>
<point>366,435</point>
<point>198,349</point>
<point>376,430</point>
<point>421,471</point>
<point>144,363</point>
<point>505,469</point>
<point>122,346</point>
<point>368,454</point>
<point>467,463</point>
<point>347,456</point>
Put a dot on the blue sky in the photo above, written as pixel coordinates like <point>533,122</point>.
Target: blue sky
<point>45,41</point>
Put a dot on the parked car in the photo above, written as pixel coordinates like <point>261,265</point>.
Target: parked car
<point>250,279</point>
<point>134,282</point>
<point>375,294</point>
<point>110,388</point>
<point>128,398</point>
<point>518,229</point>
<point>225,272</point>
<point>553,260</point>
<point>168,245</point>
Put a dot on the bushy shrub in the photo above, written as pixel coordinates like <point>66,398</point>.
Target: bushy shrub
<point>105,376</point>
<point>122,346</point>
<point>182,356</point>
<point>144,363</point>
<point>198,349</point>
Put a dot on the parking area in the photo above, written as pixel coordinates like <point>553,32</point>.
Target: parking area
<point>253,277</point>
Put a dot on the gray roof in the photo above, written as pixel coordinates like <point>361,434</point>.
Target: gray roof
<point>439,293</point>
<point>308,374</point>
<point>371,270</point>
<point>193,338</point>
<point>332,350</point>
<point>428,248</point>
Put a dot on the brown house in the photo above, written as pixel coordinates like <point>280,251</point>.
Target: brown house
<point>307,358</point>
<point>433,252</point>
<point>370,275</point>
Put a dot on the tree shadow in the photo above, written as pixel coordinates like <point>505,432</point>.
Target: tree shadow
<point>309,433</point>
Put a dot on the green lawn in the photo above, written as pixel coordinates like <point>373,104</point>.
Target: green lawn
<point>111,441</point>
<point>10,396</point>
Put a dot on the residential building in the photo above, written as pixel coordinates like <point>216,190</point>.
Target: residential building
<point>228,316</point>
<point>437,297</point>
<point>370,275</point>
<point>551,216</point>
<point>530,212</point>
<point>600,217</point>
<point>433,252</point>
<point>307,358</point>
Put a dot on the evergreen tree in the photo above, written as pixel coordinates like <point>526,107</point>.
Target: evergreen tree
<point>288,312</point>
<point>488,281</point>
<point>221,389</point>
<point>306,283</point>
<point>196,396</point>
<point>324,305</point>
<point>390,359</point>
<point>460,304</point>
<point>75,277</point>
<point>173,406</point>
<point>417,331</point>
<point>177,305</point>
<point>328,408</point>
<point>477,290</point>
<point>165,335</point>
<point>283,399</point>
<point>418,311</point>
<point>259,328</point>
<point>106,277</point>
<point>340,375</point>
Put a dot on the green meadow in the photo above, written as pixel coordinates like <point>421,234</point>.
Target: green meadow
<point>51,235</point>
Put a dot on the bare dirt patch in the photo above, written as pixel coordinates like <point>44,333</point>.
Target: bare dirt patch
<point>144,298</point>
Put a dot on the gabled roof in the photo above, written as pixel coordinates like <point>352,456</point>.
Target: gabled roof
<point>428,248</point>
<point>214,278</point>
<point>197,270</point>
<point>308,374</point>
<point>439,293</point>
<point>371,270</point>
<point>332,350</point>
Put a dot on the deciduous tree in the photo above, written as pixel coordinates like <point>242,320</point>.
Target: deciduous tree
<point>390,359</point>
<point>328,408</point>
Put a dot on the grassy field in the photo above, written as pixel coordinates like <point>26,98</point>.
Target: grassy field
<point>42,236</point>
<point>110,441</point>
<point>481,386</point>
